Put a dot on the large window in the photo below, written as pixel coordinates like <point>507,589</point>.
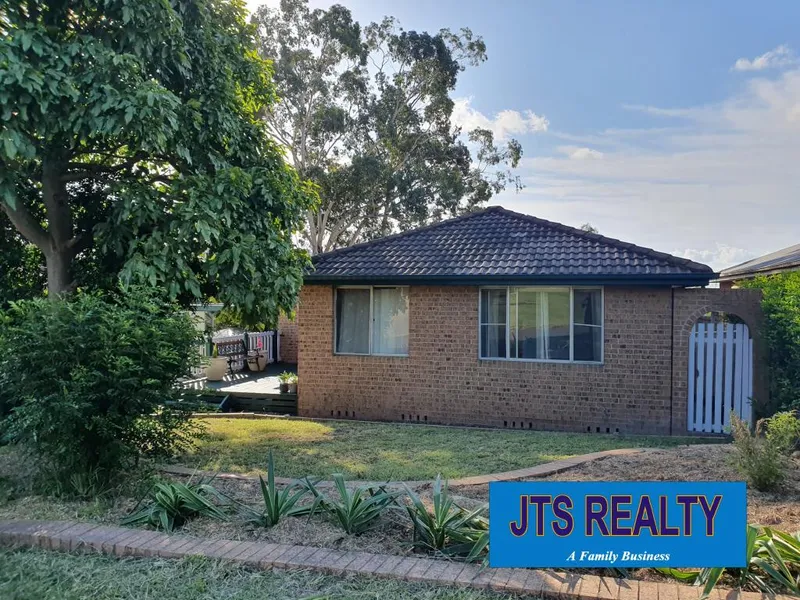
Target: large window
<point>547,324</point>
<point>372,320</point>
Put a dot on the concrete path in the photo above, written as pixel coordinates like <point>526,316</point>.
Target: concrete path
<point>542,470</point>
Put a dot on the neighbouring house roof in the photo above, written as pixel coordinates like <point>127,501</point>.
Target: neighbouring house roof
<point>498,246</point>
<point>787,259</point>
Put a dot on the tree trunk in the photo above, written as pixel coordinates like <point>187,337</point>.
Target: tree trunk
<point>58,275</point>
<point>60,253</point>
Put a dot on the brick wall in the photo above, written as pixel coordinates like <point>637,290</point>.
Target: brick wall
<point>287,329</point>
<point>443,381</point>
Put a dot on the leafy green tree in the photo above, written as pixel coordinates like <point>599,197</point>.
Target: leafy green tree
<point>22,272</point>
<point>781,305</point>
<point>131,146</point>
<point>366,115</point>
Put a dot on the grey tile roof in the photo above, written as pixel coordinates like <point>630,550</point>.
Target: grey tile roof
<point>498,244</point>
<point>781,260</point>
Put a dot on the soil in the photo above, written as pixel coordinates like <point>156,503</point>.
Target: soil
<point>779,509</point>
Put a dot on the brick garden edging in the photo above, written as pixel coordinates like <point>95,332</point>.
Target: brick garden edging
<point>121,541</point>
<point>543,470</point>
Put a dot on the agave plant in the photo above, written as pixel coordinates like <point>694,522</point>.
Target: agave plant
<point>447,528</point>
<point>278,504</point>
<point>773,563</point>
<point>357,510</point>
<point>170,505</point>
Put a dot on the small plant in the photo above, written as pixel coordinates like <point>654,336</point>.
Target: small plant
<point>214,351</point>
<point>773,564</point>
<point>783,431</point>
<point>278,504</point>
<point>354,511</point>
<point>286,377</point>
<point>446,528</point>
<point>757,457</point>
<point>172,504</point>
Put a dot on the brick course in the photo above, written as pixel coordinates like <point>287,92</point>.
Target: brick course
<point>549,585</point>
<point>640,388</point>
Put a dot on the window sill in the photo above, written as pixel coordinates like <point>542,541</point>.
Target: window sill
<point>373,355</point>
<point>543,361</point>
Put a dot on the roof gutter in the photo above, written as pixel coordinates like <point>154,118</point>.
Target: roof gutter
<point>679,279</point>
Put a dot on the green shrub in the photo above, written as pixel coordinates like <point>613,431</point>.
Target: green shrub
<point>446,527</point>
<point>783,431</point>
<point>757,457</point>
<point>773,565</point>
<point>278,504</point>
<point>781,305</point>
<point>357,510</point>
<point>170,505</point>
<point>89,376</point>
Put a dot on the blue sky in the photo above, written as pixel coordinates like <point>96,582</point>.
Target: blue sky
<point>673,125</point>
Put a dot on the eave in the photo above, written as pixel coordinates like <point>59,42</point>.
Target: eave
<point>672,280</point>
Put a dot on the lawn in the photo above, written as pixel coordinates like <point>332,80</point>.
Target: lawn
<point>41,575</point>
<point>379,452</point>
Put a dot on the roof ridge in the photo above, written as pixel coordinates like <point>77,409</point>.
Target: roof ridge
<point>403,234</point>
<point>609,240</point>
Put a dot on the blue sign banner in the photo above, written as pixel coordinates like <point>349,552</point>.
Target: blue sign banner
<point>617,524</point>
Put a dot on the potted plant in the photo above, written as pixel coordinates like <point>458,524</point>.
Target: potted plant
<point>293,384</point>
<point>218,366</point>
<point>284,378</point>
<point>257,360</point>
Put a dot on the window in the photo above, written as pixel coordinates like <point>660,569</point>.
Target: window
<point>372,320</point>
<point>546,324</point>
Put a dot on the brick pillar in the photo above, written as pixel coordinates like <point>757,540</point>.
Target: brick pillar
<point>287,329</point>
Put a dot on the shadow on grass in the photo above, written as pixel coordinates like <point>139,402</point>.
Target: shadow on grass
<point>377,451</point>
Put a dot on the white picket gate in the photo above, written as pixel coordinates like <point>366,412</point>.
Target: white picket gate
<point>262,340</point>
<point>720,376</point>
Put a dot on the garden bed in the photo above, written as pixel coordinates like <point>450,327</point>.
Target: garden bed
<point>779,509</point>
<point>391,533</point>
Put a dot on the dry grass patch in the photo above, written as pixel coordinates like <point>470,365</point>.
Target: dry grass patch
<point>390,451</point>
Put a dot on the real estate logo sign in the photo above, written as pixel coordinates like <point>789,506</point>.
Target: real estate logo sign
<point>617,524</point>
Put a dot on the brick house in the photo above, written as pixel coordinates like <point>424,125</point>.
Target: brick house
<point>506,320</point>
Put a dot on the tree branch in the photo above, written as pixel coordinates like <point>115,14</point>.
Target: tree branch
<point>24,222</point>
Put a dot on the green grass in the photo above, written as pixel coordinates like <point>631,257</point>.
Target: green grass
<point>41,575</point>
<point>380,452</point>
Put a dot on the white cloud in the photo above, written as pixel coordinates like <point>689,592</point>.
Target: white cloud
<point>721,257</point>
<point>576,153</point>
<point>505,124</point>
<point>782,56</point>
<point>717,182</point>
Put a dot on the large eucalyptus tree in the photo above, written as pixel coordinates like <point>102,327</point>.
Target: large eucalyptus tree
<point>365,113</point>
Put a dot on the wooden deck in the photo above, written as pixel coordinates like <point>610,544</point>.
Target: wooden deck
<point>251,391</point>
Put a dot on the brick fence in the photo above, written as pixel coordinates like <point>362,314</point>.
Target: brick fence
<point>120,541</point>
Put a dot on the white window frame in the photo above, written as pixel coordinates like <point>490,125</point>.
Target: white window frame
<point>542,288</point>
<point>371,288</point>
